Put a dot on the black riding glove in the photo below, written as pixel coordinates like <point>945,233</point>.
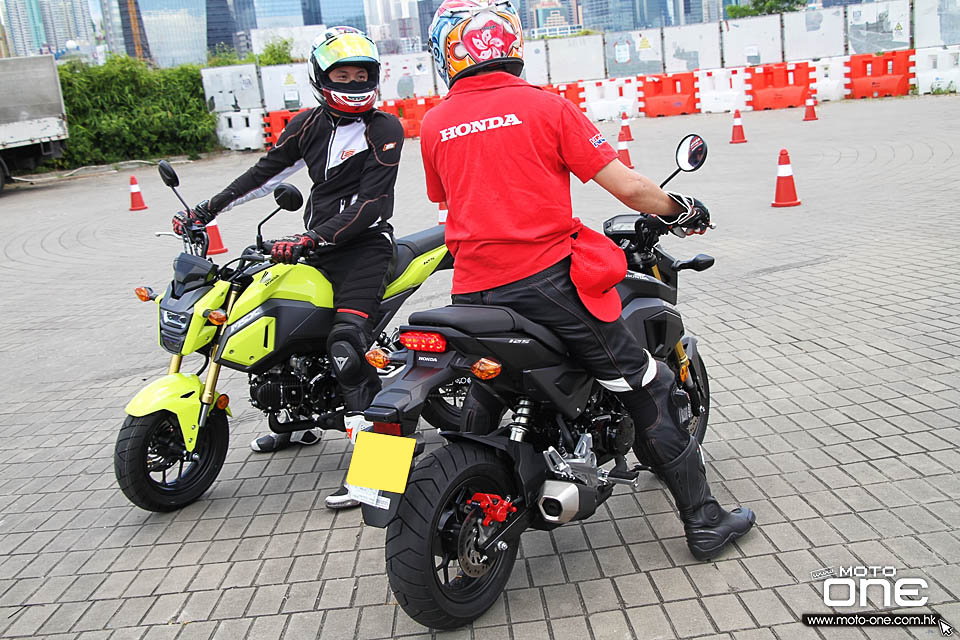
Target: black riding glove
<point>290,249</point>
<point>694,219</point>
<point>199,215</point>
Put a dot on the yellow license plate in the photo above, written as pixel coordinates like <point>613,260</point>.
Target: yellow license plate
<point>381,462</point>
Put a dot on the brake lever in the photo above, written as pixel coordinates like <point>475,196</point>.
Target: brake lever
<point>165,233</point>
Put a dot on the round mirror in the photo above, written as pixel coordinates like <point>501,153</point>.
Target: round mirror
<point>167,174</point>
<point>288,197</point>
<point>692,153</point>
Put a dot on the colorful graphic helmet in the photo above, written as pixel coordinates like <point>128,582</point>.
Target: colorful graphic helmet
<point>467,36</point>
<point>335,47</point>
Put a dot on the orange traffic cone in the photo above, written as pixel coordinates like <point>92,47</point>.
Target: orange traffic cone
<point>136,198</point>
<point>811,112</point>
<point>625,134</point>
<point>737,135</point>
<point>786,195</point>
<point>624,153</point>
<point>442,213</point>
<point>216,242</point>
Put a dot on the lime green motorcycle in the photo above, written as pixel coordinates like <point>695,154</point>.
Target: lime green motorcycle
<point>268,320</point>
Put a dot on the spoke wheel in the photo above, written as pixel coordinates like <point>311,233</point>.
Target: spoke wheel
<point>153,468</point>
<point>437,572</point>
<point>698,425</point>
<point>444,407</point>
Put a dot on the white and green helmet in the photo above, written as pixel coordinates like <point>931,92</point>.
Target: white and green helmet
<point>339,46</point>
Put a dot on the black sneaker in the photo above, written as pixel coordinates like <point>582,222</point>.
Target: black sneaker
<point>277,441</point>
<point>340,499</point>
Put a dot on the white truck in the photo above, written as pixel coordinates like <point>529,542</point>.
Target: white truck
<point>33,121</point>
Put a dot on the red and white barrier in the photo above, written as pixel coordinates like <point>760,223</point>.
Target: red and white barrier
<point>608,99</point>
<point>938,69</point>
<point>723,90</point>
<point>829,78</point>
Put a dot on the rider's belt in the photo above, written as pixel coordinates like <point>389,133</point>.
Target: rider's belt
<point>561,267</point>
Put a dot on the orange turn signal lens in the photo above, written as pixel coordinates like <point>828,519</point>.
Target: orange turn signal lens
<point>143,293</point>
<point>217,317</point>
<point>378,358</point>
<point>222,401</point>
<point>486,369</point>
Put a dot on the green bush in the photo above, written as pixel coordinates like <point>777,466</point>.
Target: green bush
<point>125,110</point>
<point>277,51</point>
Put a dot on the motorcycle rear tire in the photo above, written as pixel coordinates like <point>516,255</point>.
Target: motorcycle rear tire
<point>413,534</point>
<point>130,461</point>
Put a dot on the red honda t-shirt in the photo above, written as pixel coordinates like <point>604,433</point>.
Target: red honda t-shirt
<point>500,151</point>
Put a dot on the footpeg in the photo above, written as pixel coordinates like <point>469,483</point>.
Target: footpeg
<point>625,475</point>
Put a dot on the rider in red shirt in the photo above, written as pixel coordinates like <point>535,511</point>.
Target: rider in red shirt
<point>500,152</point>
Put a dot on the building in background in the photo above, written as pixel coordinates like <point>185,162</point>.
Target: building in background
<point>134,35</point>
<point>553,13</point>
<point>25,31</point>
<point>221,25</point>
<point>268,14</point>
<point>349,13</point>
<point>609,15</point>
<point>67,21</point>
<point>394,25</point>
<point>112,26</point>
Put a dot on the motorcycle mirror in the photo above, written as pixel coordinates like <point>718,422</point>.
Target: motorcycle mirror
<point>168,175</point>
<point>288,197</point>
<point>691,152</point>
<point>701,262</point>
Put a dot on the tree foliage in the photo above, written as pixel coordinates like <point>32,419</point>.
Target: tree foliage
<point>763,8</point>
<point>126,110</point>
<point>278,51</point>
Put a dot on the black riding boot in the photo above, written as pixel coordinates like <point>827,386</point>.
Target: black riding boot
<point>708,526</point>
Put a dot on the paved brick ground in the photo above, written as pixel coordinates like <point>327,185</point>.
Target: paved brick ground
<point>831,335</point>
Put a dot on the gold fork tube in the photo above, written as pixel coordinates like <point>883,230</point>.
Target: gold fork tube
<point>214,372</point>
<point>175,361</point>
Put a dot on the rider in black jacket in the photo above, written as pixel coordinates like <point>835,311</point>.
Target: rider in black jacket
<point>352,152</point>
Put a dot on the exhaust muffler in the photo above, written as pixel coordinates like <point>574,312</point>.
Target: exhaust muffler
<point>560,502</point>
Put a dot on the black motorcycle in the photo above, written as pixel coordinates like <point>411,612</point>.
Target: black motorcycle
<point>455,522</point>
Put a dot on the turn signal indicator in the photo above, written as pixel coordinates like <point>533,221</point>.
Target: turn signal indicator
<point>378,358</point>
<point>486,369</point>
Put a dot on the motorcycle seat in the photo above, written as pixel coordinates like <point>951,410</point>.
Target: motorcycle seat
<point>416,244</point>
<point>484,320</point>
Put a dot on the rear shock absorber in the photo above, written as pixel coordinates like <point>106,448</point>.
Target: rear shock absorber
<point>521,418</point>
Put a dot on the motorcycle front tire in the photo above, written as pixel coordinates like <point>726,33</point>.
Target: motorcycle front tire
<point>136,452</point>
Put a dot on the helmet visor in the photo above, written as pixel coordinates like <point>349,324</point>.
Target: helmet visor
<point>346,47</point>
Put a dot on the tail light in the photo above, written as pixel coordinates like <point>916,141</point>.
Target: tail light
<point>388,428</point>
<point>486,369</point>
<point>423,341</point>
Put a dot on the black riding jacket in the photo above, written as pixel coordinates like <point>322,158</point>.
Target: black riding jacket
<point>353,165</point>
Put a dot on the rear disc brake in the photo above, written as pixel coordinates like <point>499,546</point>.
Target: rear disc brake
<point>474,562</point>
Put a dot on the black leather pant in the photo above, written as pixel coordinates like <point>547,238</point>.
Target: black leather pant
<point>607,350</point>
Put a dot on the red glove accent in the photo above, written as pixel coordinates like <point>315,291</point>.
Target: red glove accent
<point>289,250</point>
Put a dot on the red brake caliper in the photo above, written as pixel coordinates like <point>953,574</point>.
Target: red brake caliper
<point>495,508</point>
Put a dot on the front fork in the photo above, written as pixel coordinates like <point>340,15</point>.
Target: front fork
<point>682,360</point>
<point>213,374</point>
